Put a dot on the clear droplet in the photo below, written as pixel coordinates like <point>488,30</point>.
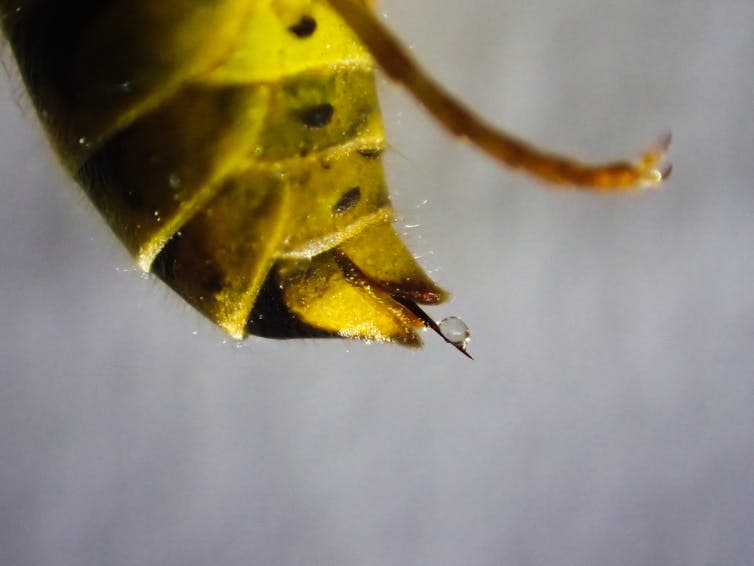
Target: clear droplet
<point>455,331</point>
<point>174,180</point>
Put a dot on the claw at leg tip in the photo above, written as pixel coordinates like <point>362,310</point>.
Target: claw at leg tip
<point>665,171</point>
<point>655,170</point>
<point>653,178</point>
<point>663,146</point>
<point>664,141</point>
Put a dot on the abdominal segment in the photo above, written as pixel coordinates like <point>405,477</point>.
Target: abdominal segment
<point>234,147</point>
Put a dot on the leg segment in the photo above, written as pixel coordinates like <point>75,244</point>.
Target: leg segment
<point>648,170</point>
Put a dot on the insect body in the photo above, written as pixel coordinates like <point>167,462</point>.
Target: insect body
<point>234,147</point>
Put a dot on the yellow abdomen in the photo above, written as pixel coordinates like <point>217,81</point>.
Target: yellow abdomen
<point>234,147</point>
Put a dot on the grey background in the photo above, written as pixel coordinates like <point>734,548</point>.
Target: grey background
<point>608,417</point>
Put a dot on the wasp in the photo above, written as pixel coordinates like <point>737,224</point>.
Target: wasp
<point>234,147</point>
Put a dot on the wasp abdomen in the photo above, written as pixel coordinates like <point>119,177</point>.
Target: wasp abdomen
<point>233,146</point>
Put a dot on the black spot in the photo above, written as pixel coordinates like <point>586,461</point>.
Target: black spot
<point>304,28</point>
<point>317,116</point>
<point>370,153</point>
<point>349,199</point>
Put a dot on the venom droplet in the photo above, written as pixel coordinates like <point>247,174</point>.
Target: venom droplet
<point>455,331</point>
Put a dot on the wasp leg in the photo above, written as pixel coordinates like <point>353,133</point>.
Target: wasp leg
<point>648,170</point>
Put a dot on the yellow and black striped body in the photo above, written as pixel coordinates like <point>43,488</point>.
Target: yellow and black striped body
<point>234,147</point>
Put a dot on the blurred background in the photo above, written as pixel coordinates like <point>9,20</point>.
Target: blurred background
<point>608,417</point>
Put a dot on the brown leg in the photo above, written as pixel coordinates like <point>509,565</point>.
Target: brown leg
<point>560,170</point>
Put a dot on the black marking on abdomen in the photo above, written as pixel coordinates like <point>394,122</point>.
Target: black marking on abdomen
<point>304,28</point>
<point>370,153</point>
<point>347,201</point>
<point>317,116</point>
<point>270,318</point>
